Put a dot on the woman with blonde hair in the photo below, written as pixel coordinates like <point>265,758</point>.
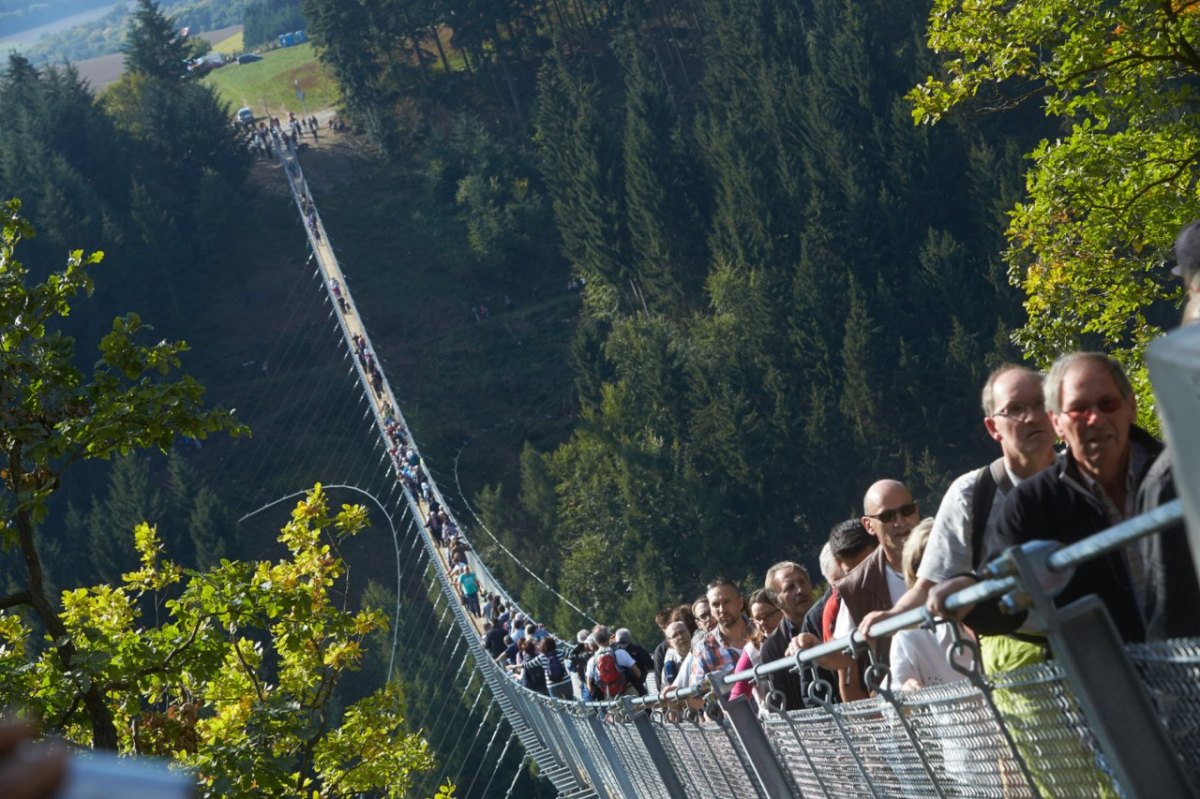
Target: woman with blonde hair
<point>921,657</point>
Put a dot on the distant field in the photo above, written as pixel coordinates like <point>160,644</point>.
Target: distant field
<point>104,70</point>
<point>269,86</point>
<point>231,45</point>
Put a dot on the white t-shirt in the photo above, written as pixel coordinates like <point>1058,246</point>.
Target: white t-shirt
<point>896,589</point>
<point>949,550</point>
<point>925,655</point>
<point>624,661</point>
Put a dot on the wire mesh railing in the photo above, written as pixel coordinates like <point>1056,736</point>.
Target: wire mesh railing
<point>1024,733</point>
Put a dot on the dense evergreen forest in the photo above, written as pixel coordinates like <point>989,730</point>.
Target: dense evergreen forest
<point>791,290</point>
<point>149,175</point>
<point>781,288</point>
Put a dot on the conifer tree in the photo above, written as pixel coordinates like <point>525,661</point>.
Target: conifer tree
<point>662,217</point>
<point>153,46</point>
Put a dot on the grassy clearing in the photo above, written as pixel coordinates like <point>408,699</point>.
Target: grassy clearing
<point>269,86</point>
<point>234,44</point>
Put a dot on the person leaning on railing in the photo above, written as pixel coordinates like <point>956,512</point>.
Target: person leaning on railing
<point>1014,415</point>
<point>1090,487</point>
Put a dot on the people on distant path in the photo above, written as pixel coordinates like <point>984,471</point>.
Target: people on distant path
<point>336,290</point>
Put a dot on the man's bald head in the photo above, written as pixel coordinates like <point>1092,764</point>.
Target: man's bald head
<point>878,490</point>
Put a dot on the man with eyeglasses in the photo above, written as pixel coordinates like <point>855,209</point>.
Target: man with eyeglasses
<point>1090,487</point>
<point>704,617</point>
<point>1014,415</point>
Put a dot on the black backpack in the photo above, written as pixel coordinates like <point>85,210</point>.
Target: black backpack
<point>988,481</point>
<point>554,668</point>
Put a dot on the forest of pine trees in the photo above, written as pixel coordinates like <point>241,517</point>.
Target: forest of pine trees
<point>791,289</point>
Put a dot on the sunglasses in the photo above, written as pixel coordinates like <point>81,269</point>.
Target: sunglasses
<point>888,516</point>
<point>1106,405</point>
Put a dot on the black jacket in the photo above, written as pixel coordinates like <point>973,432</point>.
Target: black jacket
<point>1056,505</point>
<point>1174,600</point>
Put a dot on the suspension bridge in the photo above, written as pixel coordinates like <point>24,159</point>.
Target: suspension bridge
<point>1101,719</point>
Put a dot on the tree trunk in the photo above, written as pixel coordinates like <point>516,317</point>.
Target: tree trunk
<point>420,55</point>
<point>437,40</point>
<point>508,79</point>
<point>104,727</point>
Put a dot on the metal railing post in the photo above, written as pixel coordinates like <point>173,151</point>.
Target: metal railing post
<point>616,764</point>
<point>1107,686</point>
<point>772,776</point>
<point>654,748</point>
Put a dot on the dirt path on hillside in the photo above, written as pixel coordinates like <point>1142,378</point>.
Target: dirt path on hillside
<point>330,162</point>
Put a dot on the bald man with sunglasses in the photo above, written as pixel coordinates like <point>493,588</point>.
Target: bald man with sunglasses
<point>889,514</point>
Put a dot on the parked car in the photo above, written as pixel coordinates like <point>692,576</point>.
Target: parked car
<point>249,58</point>
<point>245,116</point>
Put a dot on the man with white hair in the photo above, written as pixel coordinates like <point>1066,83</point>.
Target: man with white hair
<point>1014,415</point>
<point>1090,487</point>
<point>623,639</point>
<point>788,585</point>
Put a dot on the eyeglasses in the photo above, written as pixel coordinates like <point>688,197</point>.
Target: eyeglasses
<point>888,516</point>
<point>1105,405</point>
<point>1021,411</point>
<point>765,618</point>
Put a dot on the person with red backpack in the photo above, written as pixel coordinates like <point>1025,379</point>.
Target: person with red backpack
<point>610,670</point>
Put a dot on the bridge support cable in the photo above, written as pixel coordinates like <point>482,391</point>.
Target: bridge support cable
<point>500,722</point>
<point>308,353</point>
<point>450,755</point>
<point>500,762</point>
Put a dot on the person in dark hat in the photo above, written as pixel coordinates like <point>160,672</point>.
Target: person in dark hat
<point>1187,268</point>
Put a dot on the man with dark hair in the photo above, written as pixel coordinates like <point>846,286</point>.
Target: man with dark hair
<point>721,647</point>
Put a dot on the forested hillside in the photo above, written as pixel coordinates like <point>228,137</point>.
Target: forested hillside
<point>22,15</point>
<point>106,35</point>
<point>791,290</point>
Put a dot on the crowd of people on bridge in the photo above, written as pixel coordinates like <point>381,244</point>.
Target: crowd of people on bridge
<point>890,560</point>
